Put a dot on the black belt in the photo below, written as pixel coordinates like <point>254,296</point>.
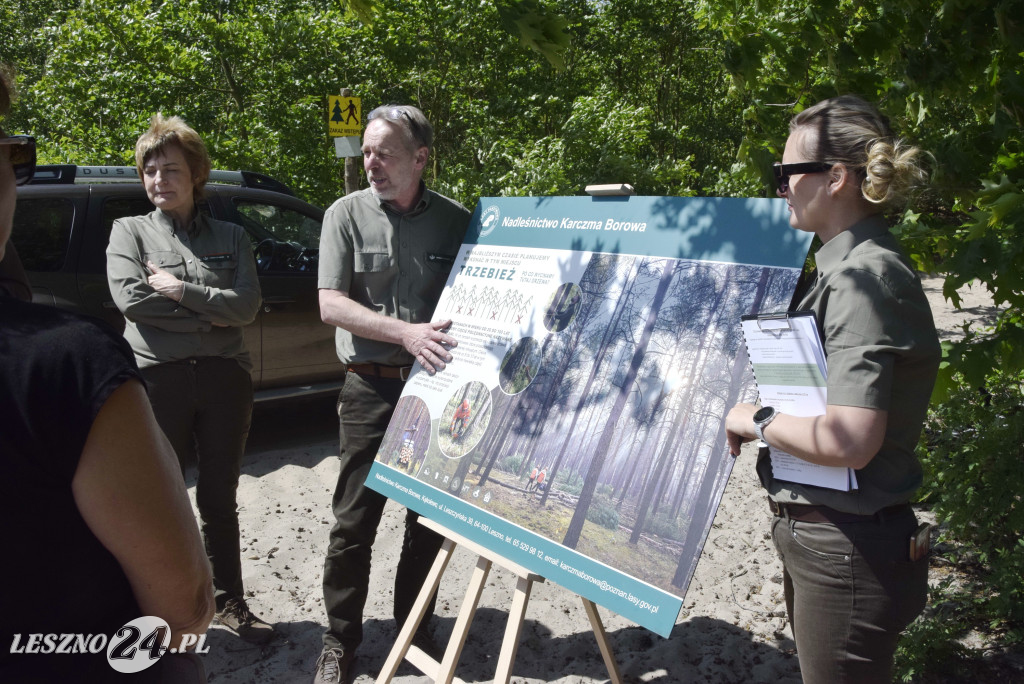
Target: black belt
<point>376,370</point>
<point>824,514</point>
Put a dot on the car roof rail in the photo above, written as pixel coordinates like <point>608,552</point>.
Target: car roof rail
<point>251,179</point>
<point>69,173</point>
<point>50,174</point>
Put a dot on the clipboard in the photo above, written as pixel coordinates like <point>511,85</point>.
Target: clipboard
<point>790,370</point>
<point>799,323</point>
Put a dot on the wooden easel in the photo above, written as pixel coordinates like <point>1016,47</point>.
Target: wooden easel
<point>443,672</point>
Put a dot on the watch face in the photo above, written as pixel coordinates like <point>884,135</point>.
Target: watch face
<point>764,414</point>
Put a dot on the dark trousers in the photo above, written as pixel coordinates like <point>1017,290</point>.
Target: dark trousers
<point>204,406</point>
<point>365,405</point>
<point>850,590</point>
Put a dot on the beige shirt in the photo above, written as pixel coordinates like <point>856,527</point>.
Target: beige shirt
<point>883,353</point>
<point>215,262</point>
<point>392,263</point>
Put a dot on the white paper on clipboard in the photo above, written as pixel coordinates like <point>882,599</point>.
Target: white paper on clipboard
<point>789,365</point>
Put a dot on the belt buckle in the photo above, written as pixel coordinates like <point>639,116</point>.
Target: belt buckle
<point>776,508</point>
<point>404,372</point>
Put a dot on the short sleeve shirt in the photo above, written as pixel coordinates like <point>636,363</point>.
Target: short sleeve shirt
<point>882,353</point>
<point>393,263</point>
<point>57,370</point>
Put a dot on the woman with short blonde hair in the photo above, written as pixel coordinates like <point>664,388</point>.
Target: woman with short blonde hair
<point>167,131</point>
<point>187,285</point>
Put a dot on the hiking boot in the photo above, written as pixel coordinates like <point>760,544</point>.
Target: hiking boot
<point>423,640</point>
<point>236,616</point>
<point>332,667</point>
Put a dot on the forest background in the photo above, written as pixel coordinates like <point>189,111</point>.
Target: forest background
<point>677,97</point>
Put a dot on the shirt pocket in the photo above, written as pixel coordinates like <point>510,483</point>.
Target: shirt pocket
<point>440,263</point>
<point>219,270</point>
<point>372,262</point>
<point>169,261</point>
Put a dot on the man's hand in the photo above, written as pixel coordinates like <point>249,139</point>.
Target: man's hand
<point>165,283</point>
<point>429,344</point>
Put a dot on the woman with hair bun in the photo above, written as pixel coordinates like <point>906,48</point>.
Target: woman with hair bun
<point>852,579</point>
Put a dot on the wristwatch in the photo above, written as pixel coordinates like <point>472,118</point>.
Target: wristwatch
<point>764,415</point>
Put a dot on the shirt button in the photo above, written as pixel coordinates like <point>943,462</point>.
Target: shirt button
<point>190,261</point>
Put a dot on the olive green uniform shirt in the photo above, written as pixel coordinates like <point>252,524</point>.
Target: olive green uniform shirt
<point>215,262</point>
<point>392,263</point>
<point>883,353</point>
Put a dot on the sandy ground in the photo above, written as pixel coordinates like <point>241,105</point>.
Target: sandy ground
<point>732,627</point>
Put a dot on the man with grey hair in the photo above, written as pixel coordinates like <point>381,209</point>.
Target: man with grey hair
<point>385,255</point>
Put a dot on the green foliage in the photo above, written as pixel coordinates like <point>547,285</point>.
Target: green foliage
<point>634,100</point>
<point>949,75</point>
<point>666,526</point>
<point>570,484</point>
<point>538,29</point>
<point>974,482</point>
<point>511,463</point>
<point>931,648</point>
<point>602,509</point>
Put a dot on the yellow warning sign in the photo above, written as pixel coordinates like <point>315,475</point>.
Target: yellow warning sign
<point>344,116</point>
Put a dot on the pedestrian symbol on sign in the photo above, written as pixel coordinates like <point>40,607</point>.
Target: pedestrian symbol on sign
<point>345,116</point>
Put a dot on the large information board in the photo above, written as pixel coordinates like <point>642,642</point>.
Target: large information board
<point>579,430</point>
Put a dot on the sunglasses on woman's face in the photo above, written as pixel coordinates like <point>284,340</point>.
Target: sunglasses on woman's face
<point>784,171</point>
<point>21,150</point>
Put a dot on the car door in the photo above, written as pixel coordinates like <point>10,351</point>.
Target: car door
<point>48,235</point>
<point>298,348</point>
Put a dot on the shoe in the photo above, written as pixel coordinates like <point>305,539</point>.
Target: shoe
<point>237,617</point>
<point>423,640</point>
<point>332,666</point>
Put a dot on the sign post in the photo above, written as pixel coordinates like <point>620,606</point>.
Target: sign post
<point>344,124</point>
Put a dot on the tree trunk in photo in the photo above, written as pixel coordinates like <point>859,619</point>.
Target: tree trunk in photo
<point>656,484</point>
<point>633,462</point>
<point>610,333</point>
<point>694,537</point>
<point>572,535</point>
<point>655,480</point>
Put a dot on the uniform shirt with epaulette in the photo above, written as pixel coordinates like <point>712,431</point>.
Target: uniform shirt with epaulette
<point>394,263</point>
<point>882,353</point>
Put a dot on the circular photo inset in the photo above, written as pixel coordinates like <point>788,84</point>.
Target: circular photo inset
<point>406,449</point>
<point>465,419</point>
<point>563,306</point>
<point>520,366</point>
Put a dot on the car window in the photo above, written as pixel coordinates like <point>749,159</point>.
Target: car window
<point>284,239</point>
<point>42,231</point>
<point>119,207</point>
<point>281,223</point>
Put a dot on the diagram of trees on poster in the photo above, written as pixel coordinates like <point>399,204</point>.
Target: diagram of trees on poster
<point>579,430</point>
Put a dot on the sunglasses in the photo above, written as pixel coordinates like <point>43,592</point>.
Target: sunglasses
<point>395,115</point>
<point>22,155</point>
<point>784,171</point>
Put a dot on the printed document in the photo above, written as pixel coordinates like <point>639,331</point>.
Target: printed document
<point>789,365</point>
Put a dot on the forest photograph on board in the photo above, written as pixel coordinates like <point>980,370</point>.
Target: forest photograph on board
<point>616,449</point>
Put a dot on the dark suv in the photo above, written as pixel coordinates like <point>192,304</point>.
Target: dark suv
<point>62,223</point>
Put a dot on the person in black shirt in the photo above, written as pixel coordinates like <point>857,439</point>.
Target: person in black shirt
<point>98,526</point>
